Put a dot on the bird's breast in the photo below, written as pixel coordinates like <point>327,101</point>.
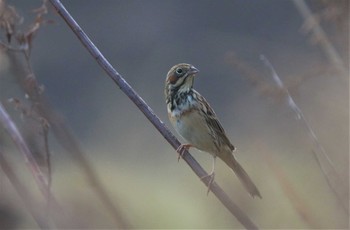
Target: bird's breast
<point>191,125</point>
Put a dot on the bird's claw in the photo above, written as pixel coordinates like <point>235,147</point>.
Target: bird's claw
<point>211,180</point>
<point>181,149</point>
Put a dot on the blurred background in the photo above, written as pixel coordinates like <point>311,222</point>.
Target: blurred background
<point>132,162</point>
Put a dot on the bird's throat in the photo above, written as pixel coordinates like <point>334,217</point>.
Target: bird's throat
<point>180,101</point>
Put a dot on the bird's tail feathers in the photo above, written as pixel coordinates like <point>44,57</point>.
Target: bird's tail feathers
<point>242,175</point>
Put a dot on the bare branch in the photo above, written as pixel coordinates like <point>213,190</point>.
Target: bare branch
<point>16,136</point>
<point>42,108</point>
<point>151,116</point>
<point>324,162</point>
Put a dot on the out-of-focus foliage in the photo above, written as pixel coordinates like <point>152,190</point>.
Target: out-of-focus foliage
<point>139,170</point>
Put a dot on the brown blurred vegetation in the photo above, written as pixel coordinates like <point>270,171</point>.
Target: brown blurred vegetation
<point>107,167</point>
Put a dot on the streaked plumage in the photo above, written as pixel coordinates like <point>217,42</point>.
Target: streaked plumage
<point>194,119</point>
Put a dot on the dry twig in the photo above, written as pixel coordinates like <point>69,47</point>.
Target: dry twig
<point>16,136</point>
<point>322,157</point>
<point>151,116</point>
<point>320,37</point>
<point>22,192</point>
<point>40,106</point>
<point>39,176</point>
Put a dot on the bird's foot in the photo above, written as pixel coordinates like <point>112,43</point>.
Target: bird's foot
<point>211,180</point>
<point>181,149</point>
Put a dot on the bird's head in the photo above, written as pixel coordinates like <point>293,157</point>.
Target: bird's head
<point>180,78</point>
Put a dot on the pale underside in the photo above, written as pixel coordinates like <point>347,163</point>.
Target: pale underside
<point>193,127</point>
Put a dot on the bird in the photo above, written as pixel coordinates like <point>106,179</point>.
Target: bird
<point>194,119</point>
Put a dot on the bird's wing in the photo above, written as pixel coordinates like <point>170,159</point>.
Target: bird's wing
<point>213,121</point>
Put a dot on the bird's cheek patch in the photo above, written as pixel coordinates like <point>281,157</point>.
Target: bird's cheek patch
<point>172,79</point>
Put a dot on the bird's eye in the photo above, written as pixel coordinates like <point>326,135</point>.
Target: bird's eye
<point>179,71</point>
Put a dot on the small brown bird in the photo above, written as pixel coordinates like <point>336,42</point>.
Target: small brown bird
<point>194,119</point>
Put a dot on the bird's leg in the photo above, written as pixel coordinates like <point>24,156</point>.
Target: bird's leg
<point>181,149</point>
<point>211,175</point>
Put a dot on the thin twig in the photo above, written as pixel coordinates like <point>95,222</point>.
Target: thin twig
<point>12,130</point>
<point>325,163</point>
<point>6,47</point>
<point>45,129</point>
<point>45,133</point>
<point>42,107</point>
<point>65,137</point>
<point>16,136</point>
<point>321,37</point>
<point>22,192</point>
<point>27,80</point>
<point>151,116</point>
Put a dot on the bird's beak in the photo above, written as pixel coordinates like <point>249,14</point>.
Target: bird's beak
<point>193,70</point>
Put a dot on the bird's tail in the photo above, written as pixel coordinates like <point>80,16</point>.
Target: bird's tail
<point>242,175</point>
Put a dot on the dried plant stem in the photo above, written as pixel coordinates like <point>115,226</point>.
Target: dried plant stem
<point>39,177</point>
<point>50,119</point>
<point>147,111</point>
<point>16,136</point>
<point>22,192</point>
<point>64,136</point>
<point>321,37</point>
<point>45,129</point>
<point>324,162</point>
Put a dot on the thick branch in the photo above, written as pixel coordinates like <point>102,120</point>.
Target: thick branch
<point>151,116</point>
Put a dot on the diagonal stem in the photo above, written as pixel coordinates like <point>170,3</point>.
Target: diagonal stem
<point>324,42</point>
<point>151,116</point>
<point>22,192</point>
<point>325,164</point>
<point>17,138</point>
<point>39,177</point>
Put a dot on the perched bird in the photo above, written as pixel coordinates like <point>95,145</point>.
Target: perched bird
<point>194,119</point>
